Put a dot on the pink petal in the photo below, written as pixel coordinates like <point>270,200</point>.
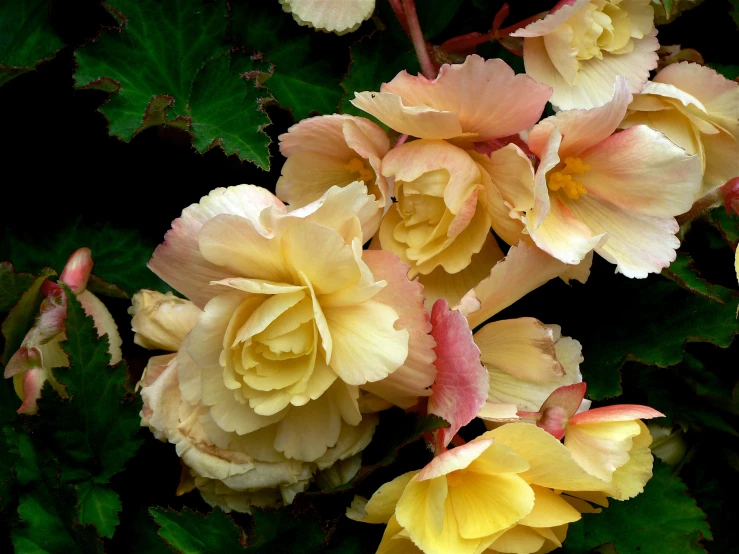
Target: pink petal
<point>178,260</point>
<point>459,457</point>
<point>489,99</point>
<point>462,385</point>
<point>33,382</point>
<point>77,271</point>
<point>561,405</point>
<point>558,15</point>
<point>619,412</point>
<point>417,374</point>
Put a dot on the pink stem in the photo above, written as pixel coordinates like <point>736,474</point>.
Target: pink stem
<point>427,67</point>
<point>400,15</point>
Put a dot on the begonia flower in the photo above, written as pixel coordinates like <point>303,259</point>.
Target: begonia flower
<point>697,109</point>
<point>328,15</point>
<point>332,150</point>
<point>296,316</point>
<point>161,321</point>
<point>582,46</point>
<point>615,193</point>
<point>40,353</point>
<point>474,101</point>
<point>610,443</point>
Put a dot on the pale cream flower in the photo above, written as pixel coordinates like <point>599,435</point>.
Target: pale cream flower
<point>617,193</point>
<point>337,16</point>
<point>583,45</point>
<point>333,150</point>
<point>296,317</point>
<point>697,109</point>
<point>161,321</point>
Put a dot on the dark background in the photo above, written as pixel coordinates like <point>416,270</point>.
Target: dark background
<point>59,164</point>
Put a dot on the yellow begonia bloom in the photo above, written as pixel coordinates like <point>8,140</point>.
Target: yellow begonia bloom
<point>333,150</point>
<point>698,109</point>
<point>161,321</point>
<point>339,17</point>
<point>582,46</point>
<point>296,317</point>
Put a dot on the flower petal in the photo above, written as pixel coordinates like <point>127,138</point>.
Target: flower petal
<point>327,15</point>
<point>178,260</point>
<point>461,385</point>
<point>554,19</point>
<point>381,507</point>
<point>619,412</point>
<point>523,347</point>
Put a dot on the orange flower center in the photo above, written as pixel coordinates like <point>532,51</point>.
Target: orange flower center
<point>356,165</point>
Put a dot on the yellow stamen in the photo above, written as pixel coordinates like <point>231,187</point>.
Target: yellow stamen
<point>356,165</point>
<point>562,179</point>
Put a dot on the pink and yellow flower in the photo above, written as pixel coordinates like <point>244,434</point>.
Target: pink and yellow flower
<point>615,193</point>
<point>697,109</point>
<point>296,316</point>
<point>582,46</point>
<point>333,150</point>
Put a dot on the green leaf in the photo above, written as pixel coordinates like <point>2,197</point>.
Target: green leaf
<point>285,530</point>
<point>728,71</point>
<point>26,37</point>
<point>375,59</point>
<point>727,225</point>
<point>98,506</point>
<point>669,6</point>
<point>302,80</point>
<point>120,255</point>
<point>672,317</point>
<point>22,316</point>
<point>94,433</point>
<point>189,532</point>
<point>664,519</point>
<point>169,64</point>
<point>735,11</point>
<point>686,275</point>
<point>12,286</point>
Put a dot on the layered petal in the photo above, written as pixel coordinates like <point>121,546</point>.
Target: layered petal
<point>328,16</point>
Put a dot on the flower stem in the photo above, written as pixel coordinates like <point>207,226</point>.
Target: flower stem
<point>397,7</point>
<point>427,67</point>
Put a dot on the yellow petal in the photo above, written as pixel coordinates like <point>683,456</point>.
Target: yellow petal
<point>381,507</point>
<point>550,509</point>
<point>601,448</point>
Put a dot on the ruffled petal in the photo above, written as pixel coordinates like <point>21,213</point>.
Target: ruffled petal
<point>461,385</point>
<point>554,19</point>
<point>178,260</point>
<point>327,15</point>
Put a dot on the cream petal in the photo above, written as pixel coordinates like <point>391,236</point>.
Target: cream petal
<point>487,96</point>
<point>522,347</point>
<point>318,135</point>
<point>353,439</point>
<point>722,160</point>
<point>306,176</point>
<point>584,128</point>
<point>719,95</point>
<point>366,345</point>
<point>642,171</point>
<point>564,234</point>
<point>411,380</point>
<point>629,479</point>
<point>524,269</point>
<point>161,321</point>
<point>327,15</point>
<point>453,286</point>
<point>677,128</point>
<point>257,286</point>
<point>554,19</point>
<point>104,323</point>
<point>205,341</point>
<point>416,121</point>
<point>512,174</point>
<point>178,260</point>
<point>308,431</point>
<point>637,244</point>
<point>601,448</point>
<point>563,56</point>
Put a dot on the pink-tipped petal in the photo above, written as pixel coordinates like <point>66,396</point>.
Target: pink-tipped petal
<point>178,260</point>
<point>461,386</point>
<point>561,405</point>
<point>417,374</point>
<point>557,16</point>
<point>619,412</point>
<point>459,457</point>
<point>489,99</point>
<point>33,382</point>
<point>78,269</point>
<point>582,129</point>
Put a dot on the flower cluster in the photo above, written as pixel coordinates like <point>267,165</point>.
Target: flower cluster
<point>373,278</point>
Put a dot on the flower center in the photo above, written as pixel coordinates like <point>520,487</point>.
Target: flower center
<point>356,165</point>
<point>602,26</point>
<point>562,179</point>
